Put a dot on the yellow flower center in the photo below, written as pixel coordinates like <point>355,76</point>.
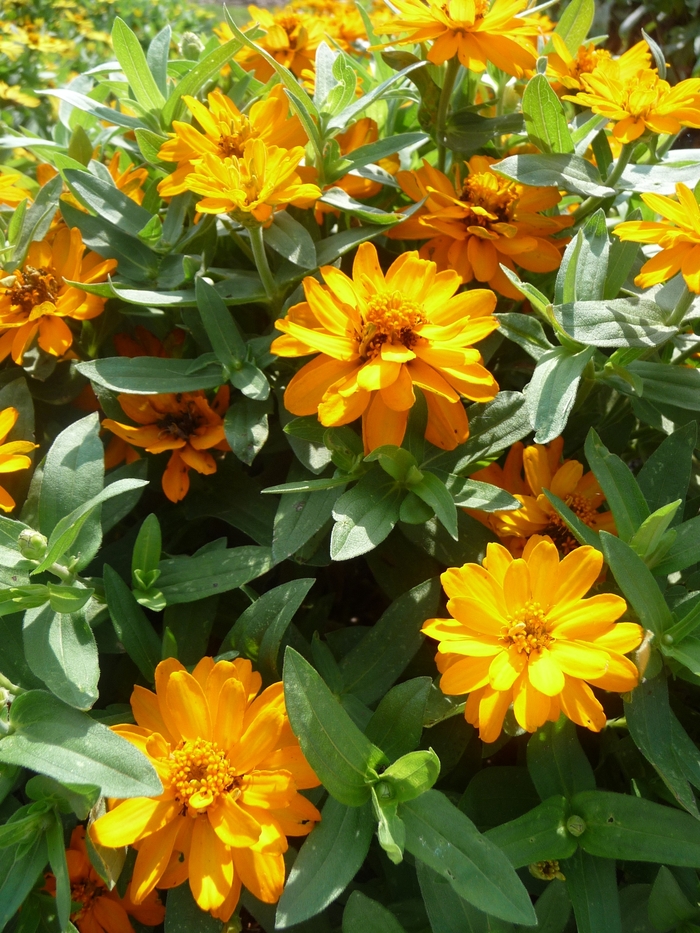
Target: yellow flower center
<point>558,531</point>
<point>200,773</point>
<point>643,94</point>
<point>233,139</point>
<point>488,193</point>
<point>586,60</point>
<point>390,318</point>
<point>33,287</point>
<point>527,629</point>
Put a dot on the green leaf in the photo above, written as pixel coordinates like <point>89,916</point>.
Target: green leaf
<point>226,340</point>
<point>553,908</point>
<point>566,171</point>
<point>107,201</point>
<point>335,748</point>
<point>132,627</point>
<point>652,540</point>
<point>411,775</point>
<point>397,723</point>
<point>498,794</point>
<point>466,131</point>
<point>374,152</point>
<point>545,121</point>
<point>592,260</point>
<point>574,24</point>
<point>157,58</point>
<point>290,239</point>
<point>68,599</point>
<point>536,836</point>
<point>246,427</point>
<point>302,515</point>
<point>197,78</point>
<point>372,667</point>
<point>668,905</point>
<point>146,554</point>
<point>341,201</point>
<point>150,144</point>
<point>637,583</point>
<point>623,826</point>
<point>435,494</point>
<point>666,473</point>
<point>622,492</point>
<point>556,761</point>
<point>346,116</point>
<point>623,255</point>
<point>583,533</point>
<point>592,886</point>
<point>146,375</point>
<point>363,915</point>
<point>526,331</point>
<point>187,579</point>
<point>450,913</point>
<point>684,550</point>
<point>55,739</point>
<point>442,837</point>
<point>621,322</point>
<point>20,867</point>
<point>59,866</point>
<point>327,862</point>
<point>472,494</point>
<point>61,651</point>
<point>183,915</point>
<point>131,57</point>
<point>674,385</point>
<point>365,515</point>
<point>552,391</point>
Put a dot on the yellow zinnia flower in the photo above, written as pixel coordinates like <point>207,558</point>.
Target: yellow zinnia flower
<point>13,456</point>
<point>35,299</point>
<point>291,37</point>
<point>482,220</point>
<point>678,235</point>
<point>14,94</point>
<point>250,188</point>
<point>639,102</point>
<point>521,633</point>
<point>565,69</point>
<point>225,131</point>
<point>10,193</point>
<point>231,769</point>
<point>380,335</point>
<point>476,31</point>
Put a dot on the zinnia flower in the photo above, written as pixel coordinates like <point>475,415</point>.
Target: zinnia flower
<point>10,193</point>
<point>521,633</point>
<point>225,131</point>
<point>678,235</point>
<point>252,187</point>
<point>380,335</point>
<point>100,910</point>
<point>482,220</point>
<point>13,456</point>
<point>128,179</point>
<point>231,770</point>
<point>565,69</point>
<point>291,37</point>
<point>184,423</point>
<point>543,469</point>
<point>639,102</point>
<point>476,32</point>
<point>35,299</point>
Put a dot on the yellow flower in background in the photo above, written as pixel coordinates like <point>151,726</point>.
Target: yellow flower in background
<point>291,37</point>
<point>35,299</point>
<point>565,70</point>
<point>10,193</point>
<point>225,131</point>
<point>640,102</point>
<point>380,335</point>
<point>521,633</point>
<point>482,220</point>
<point>231,770</point>
<point>341,21</point>
<point>527,471</point>
<point>252,187</point>
<point>13,455</point>
<point>475,31</point>
<point>13,94</point>
<point>127,177</point>
<point>678,235</point>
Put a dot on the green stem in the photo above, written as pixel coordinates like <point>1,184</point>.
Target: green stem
<point>590,204</point>
<point>681,309</point>
<point>260,256</point>
<point>10,687</point>
<point>443,107</point>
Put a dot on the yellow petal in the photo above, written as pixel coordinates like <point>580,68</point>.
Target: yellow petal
<point>544,673</point>
<point>232,824</point>
<point>188,706</point>
<point>132,820</point>
<point>211,866</point>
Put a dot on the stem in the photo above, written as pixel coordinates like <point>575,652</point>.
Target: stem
<point>679,312</point>
<point>10,687</point>
<point>590,204</point>
<point>260,256</point>
<point>443,106</point>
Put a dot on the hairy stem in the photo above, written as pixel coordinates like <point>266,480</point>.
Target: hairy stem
<point>443,107</point>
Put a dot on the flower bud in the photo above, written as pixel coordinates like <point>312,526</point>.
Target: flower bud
<point>32,544</point>
<point>191,46</point>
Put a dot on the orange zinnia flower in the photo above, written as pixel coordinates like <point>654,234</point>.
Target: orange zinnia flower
<point>543,469</point>
<point>101,910</point>
<point>380,335</point>
<point>36,298</point>
<point>225,131</point>
<point>678,235</point>
<point>145,343</point>
<point>521,633</point>
<point>231,770</point>
<point>13,456</point>
<point>482,220</point>
<point>130,180</point>
<point>566,69</point>
<point>184,423</point>
<point>291,37</point>
<point>476,32</point>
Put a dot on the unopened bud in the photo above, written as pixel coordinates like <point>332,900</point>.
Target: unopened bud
<point>576,825</point>
<point>32,544</point>
<point>191,46</point>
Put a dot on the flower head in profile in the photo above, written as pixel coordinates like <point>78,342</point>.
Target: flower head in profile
<point>639,102</point>
<point>224,131</point>
<point>378,337</point>
<point>678,235</point>
<point>184,423</point>
<point>482,220</point>
<point>476,31</point>
<point>10,193</point>
<point>528,471</point>
<point>13,455</point>
<point>522,634</point>
<point>565,70</point>
<point>251,187</point>
<point>231,770</point>
<point>99,910</point>
<point>36,299</point>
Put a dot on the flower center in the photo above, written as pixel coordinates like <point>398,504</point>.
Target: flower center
<point>84,892</point>
<point>200,772</point>
<point>390,318</point>
<point>558,531</point>
<point>33,287</point>
<point>586,60</point>
<point>494,200</point>
<point>643,93</point>
<point>547,870</point>
<point>180,424</point>
<point>527,629</point>
<point>232,139</point>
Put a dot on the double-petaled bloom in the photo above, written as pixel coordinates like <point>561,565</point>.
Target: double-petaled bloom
<point>639,102</point>
<point>521,634</point>
<point>97,909</point>
<point>36,299</point>
<point>526,473</point>
<point>482,221</point>
<point>475,31</point>
<point>289,36</point>
<point>185,423</point>
<point>13,455</point>
<point>223,132</point>
<point>565,70</point>
<point>678,235</point>
<point>231,770</point>
<point>377,337</point>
